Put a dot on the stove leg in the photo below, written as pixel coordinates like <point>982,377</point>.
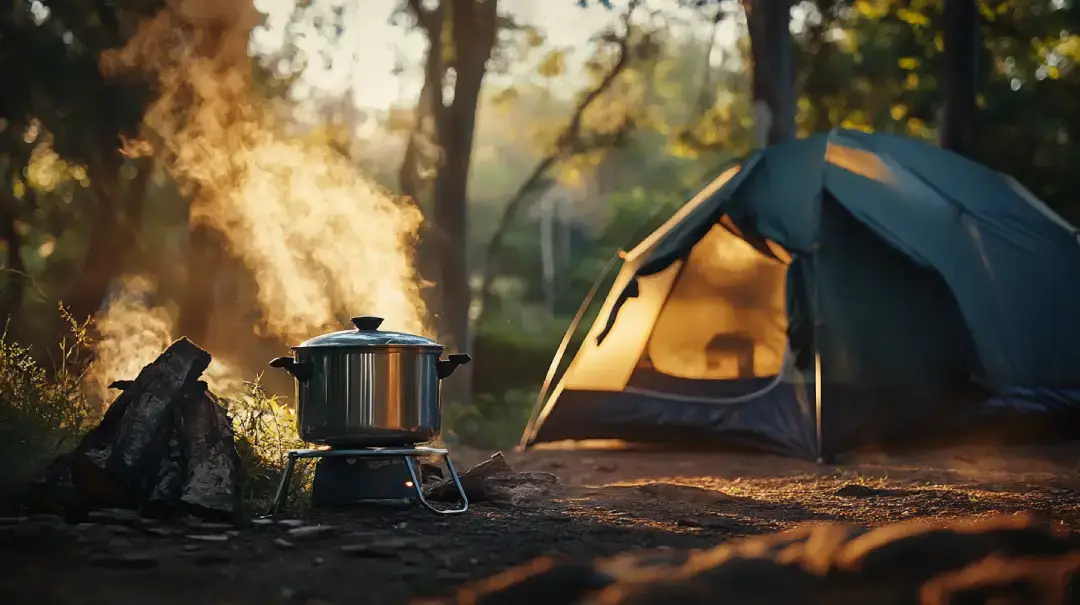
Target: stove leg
<point>419,487</point>
<point>283,487</point>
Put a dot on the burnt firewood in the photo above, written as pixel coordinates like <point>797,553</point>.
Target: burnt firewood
<point>141,453</point>
<point>211,487</point>
<point>142,439</point>
<point>493,480</point>
<point>169,481</point>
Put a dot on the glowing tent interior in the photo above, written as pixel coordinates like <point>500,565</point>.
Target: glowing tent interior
<point>829,293</point>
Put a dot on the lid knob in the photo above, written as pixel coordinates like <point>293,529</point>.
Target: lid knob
<point>367,323</point>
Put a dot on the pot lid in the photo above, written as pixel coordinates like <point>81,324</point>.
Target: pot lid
<point>368,334</point>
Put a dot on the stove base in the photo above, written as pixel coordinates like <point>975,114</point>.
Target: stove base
<point>359,456</point>
<point>342,481</point>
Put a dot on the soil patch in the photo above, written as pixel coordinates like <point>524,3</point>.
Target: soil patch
<point>603,504</point>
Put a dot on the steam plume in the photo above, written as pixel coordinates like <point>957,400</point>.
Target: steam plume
<point>322,241</point>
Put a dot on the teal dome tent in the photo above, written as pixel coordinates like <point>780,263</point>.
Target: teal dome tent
<point>828,293</point>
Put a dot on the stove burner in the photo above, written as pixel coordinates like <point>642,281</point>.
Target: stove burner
<point>351,476</point>
<point>352,480</point>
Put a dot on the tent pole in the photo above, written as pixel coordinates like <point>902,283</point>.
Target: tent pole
<point>817,357</point>
<point>557,359</point>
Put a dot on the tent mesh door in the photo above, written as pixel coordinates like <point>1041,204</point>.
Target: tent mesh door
<point>725,318</point>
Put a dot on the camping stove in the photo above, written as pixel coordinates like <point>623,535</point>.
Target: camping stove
<point>358,476</point>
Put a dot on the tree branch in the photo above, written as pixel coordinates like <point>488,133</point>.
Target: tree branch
<point>569,143</point>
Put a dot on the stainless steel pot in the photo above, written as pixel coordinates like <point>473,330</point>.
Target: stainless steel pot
<point>369,388</point>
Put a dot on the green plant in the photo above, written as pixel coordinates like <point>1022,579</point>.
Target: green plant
<point>491,421</point>
<point>42,411</point>
<point>265,431</point>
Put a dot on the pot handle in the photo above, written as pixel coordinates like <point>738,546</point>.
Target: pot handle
<point>445,367</point>
<point>301,370</point>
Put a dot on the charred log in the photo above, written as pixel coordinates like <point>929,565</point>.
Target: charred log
<point>493,480</point>
<point>211,486</point>
<point>165,446</point>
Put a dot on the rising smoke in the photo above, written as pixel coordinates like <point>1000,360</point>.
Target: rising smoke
<point>321,240</point>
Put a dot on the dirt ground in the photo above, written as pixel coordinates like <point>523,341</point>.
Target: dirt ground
<point>606,503</point>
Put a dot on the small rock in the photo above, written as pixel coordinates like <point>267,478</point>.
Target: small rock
<point>311,532</point>
<point>118,529</point>
<point>318,561</point>
<point>115,514</point>
<point>1058,491</point>
<point>31,531</point>
<point>232,533</point>
<point>161,532</point>
<point>127,561</point>
<point>12,520</point>
<point>192,547</point>
<point>283,543</point>
<point>208,537</point>
<point>262,523</point>
<point>45,518</point>
<point>291,523</point>
<point>607,468</point>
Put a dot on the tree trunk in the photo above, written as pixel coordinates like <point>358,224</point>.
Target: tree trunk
<point>473,36</point>
<point>113,234</point>
<point>12,283</point>
<point>418,157</point>
<point>818,82</point>
<point>547,251</point>
<point>773,75</point>
<point>961,37</point>
<point>206,252</point>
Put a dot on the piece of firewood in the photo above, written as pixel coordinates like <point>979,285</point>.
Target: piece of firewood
<point>211,486</point>
<point>491,480</point>
<point>142,435</point>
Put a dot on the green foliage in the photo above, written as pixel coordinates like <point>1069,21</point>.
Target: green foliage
<point>512,358</point>
<point>492,421</point>
<point>265,429</point>
<point>42,410</point>
<point>878,65</point>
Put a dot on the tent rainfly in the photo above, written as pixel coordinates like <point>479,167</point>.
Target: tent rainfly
<point>828,293</point>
